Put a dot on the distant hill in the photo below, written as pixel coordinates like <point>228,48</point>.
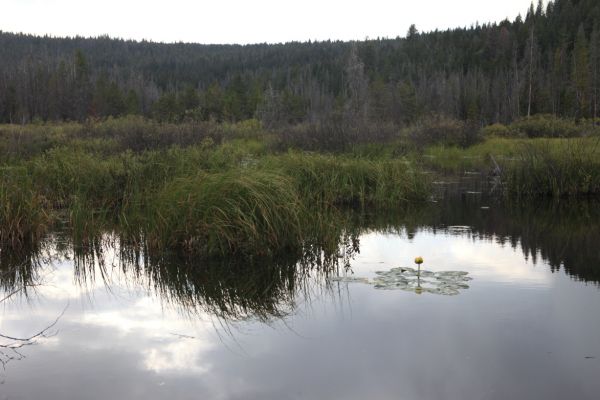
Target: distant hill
<point>546,62</point>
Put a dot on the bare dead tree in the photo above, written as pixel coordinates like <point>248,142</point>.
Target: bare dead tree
<point>11,345</point>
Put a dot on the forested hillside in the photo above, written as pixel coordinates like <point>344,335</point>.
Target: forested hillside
<point>545,62</point>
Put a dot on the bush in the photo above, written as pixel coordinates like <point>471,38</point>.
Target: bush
<point>544,125</point>
<point>442,130</point>
<point>334,134</point>
<point>498,130</point>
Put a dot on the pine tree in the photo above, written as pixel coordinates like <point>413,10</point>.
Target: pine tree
<point>581,72</point>
<point>595,68</point>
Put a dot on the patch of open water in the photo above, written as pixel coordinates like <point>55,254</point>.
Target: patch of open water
<point>521,320</point>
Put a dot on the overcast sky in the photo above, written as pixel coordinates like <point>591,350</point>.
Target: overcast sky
<point>247,21</point>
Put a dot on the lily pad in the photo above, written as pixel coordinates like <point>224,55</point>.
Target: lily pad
<point>448,283</point>
<point>349,279</point>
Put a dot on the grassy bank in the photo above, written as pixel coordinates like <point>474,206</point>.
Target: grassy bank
<point>211,197</point>
<point>526,167</point>
<point>222,189</point>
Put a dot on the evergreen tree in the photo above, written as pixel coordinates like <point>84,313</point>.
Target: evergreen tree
<point>581,72</point>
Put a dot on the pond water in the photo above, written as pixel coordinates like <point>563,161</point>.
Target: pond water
<point>525,325</point>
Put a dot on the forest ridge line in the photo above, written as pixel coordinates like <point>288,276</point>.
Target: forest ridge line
<point>546,62</point>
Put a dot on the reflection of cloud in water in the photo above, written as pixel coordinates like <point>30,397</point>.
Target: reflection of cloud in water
<point>135,335</point>
<point>129,313</point>
<point>162,329</point>
<point>181,355</point>
<point>484,259</point>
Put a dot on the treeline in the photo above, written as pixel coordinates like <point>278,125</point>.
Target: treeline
<point>547,62</point>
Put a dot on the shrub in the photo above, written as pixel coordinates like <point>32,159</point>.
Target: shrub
<point>442,130</point>
<point>544,125</point>
<point>498,130</point>
<point>334,134</point>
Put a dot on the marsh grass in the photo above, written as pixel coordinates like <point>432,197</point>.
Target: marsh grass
<point>457,160</point>
<point>548,167</point>
<point>23,215</point>
<point>329,181</point>
<point>555,168</point>
<point>216,190</point>
<point>231,212</point>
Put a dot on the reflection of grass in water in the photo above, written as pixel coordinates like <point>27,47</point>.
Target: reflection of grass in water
<point>232,289</point>
<point>565,234</point>
<point>18,270</point>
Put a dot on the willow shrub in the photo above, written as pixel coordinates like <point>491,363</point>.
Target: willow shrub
<point>545,125</point>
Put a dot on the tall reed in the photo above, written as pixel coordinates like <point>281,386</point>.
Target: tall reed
<point>327,180</point>
<point>239,211</point>
<point>24,217</point>
<point>555,168</point>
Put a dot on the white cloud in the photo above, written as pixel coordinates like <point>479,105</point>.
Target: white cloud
<point>242,21</point>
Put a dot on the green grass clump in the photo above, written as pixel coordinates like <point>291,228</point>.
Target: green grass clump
<point>555,168</point>
<point>23,215</point>
<point>327,180</point>
<point>457,160</point>
<point>497,130</point>
<point>241,211</point>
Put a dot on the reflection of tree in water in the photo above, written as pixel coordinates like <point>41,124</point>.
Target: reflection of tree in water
<point>564,234</point>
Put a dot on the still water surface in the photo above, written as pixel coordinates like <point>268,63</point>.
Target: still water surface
<point>527,326</point>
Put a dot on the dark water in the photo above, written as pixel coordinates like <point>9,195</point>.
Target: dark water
<point>527,326</point>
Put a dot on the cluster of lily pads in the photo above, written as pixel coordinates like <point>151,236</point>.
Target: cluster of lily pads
<point>447,283</point>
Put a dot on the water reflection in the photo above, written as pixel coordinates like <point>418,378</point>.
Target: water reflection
<point>447,283</point>
<point>159,324</point>
<point>563,235</point>
<point>259,288</point>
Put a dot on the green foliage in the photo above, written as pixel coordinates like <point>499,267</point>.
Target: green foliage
<point>217,189</point>
<point>547,63</point>
<point>497,130</point>
<point>544,125</point>
<point>558,169</point>
<point>336,180</point>
<point>23,215</point>
<point>245,211</point>
<point>446,131</point>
